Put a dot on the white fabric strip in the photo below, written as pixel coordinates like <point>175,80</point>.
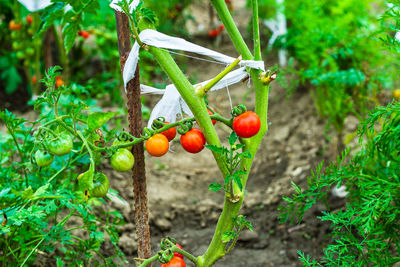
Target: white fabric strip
<point>132,6</point>
<point>172,104</point>
<point>157,39</point>
<point>36,5</point>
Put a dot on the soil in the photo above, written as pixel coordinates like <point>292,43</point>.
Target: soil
<point>181,206</point>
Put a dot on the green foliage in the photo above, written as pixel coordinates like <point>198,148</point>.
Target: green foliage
<point>366,229</point>
<point>334,52</point>
<point>40,205</point>
<point>232,158</point>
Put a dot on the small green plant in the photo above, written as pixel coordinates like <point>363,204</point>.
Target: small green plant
<point>365,231</point>
<point>41,193</point>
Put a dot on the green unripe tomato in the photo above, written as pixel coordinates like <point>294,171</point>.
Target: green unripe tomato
<point>100,185</point>
<point>16,45</point>
<point>43,158</point>
<point>20,55</point>
<point>62,145</point>
<point>120,142</point>
<point>122,160</point>
<point>14,34</point>
<point>30,51</point>
<point>30,31</point>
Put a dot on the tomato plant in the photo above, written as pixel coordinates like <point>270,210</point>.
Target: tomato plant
<point>193,141</point>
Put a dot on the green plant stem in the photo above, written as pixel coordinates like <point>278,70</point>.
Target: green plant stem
<point>204,90</point>
<point>230,26</point>
<point>21,155</point>
<point>216,249</point>
<point>256,30</point>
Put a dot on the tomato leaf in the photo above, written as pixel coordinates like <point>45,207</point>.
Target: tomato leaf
<point>215,149</point>
<point>98,119</point>
<point>228,236</point>
<point>232,138</point>
<point>70,32</point>
<point>214,187</point>
<point>236,178</point>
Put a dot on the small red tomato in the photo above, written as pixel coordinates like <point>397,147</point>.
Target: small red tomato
<point>193,141</point>
<point>221,27</point>
<point>178,7</point>
<point>29,19</point>
<point>176,254</point>
<point>170,133</point>
<point>84,34</point>
<point>247,124</point>
<point>212,33</point>
<point>212,113</point>
<point>34,80</point>
<point>14,26</point>
<point>157,145</point>
<point>175,262</point>
<point>59,81</point>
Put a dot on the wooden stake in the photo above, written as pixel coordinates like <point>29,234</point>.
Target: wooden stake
<point>135,126</point>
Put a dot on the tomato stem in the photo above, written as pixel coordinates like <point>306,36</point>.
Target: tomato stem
<point>202,91</point>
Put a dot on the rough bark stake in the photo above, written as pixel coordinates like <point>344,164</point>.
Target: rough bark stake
<point>135,126</point>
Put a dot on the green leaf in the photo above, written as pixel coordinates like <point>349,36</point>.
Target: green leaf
<point>228,236</point>
<point>70,32</point>
<point>214,187</point>
<point>50,15</point>
<point>11,78</point>
<point>232,138</point>
<point>215,149</point>
<point>238,181</point>
<point>98,119</point>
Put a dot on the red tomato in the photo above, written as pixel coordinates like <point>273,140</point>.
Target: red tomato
<point>14,26</point>
<point>170,133</point>
<point>193,141</point>
<point>221,27</point>
<point>84,34</point>
<point>157,145</point>
<point>212,33</point>
<point>29,19</point>
<point>34,80</point>
<point>212,113</point>
<point>247,124</point>
<point>175,262</point>
<point>176,254</point>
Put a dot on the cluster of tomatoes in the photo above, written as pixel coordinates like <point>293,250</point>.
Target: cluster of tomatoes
<point>22,50</point>
<point>245,125</point>
<point>213,33</point>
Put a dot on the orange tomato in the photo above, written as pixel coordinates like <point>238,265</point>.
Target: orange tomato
<point>157,145</point>
<point>14,26</point>
<point>34,80</point>
<point>59,81</point>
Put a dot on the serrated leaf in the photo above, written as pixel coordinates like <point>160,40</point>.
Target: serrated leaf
<point>98,119</point>
<point>215,149</point>
<point>50,15</point>
<point>228,236</point>
<point>214,187</point>
<point>70,32</point>
<point>237,180</point>
<point>232,138</point>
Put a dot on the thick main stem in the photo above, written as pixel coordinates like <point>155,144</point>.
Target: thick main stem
<point>135,121</point>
